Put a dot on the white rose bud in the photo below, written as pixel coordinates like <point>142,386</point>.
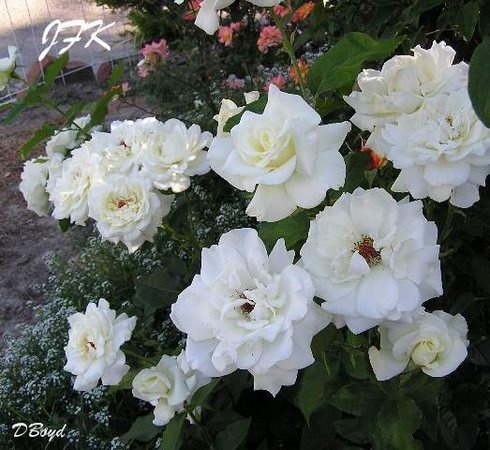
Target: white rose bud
<point>436,342</point>
<point>33,185</point>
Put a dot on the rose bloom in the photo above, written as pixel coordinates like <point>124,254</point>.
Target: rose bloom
<point>167,386</point>
<point>270,36</point>
<point>303,12</point>
<point>403,83</point>
<point>436,342</point>
<point>143,68</point>
<point>156,52</point>
<point>173,153</point>
<point>225,35</point>
<point>208,19</point>
<point>93,349</point>
<point>69,193</point>
<point>249,310</point>
<point>282,10</point>
<point>372,259</point>
<point>442,149</point>
<point>7,66</point>
<point>285,153</point>
<point>33,185</point>
<point>191,14</point>
<point>303,70</point>
<point>125,209</point>
<point>279,81</point>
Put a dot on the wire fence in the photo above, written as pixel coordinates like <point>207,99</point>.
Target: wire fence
<point>23,22</point>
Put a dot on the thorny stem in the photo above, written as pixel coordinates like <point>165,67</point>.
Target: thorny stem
<point>288,48</point>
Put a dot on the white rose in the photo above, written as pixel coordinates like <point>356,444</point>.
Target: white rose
<point>93,350</point>
<point>127,210</point>
<point>443,150</point>
<point>7,66</point>
<point>69,193</point>
<point>173,153</point>
<point>33,185</point>
<point>372,259</point>
<point>436,342</point>
<point>208,19</point>
<point>403,83</point>
<point>67,138</point>
<point>167,386</point>
<point>249,310</point>
<point>284,152</point>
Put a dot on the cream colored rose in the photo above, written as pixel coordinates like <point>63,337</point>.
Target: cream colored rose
<point>7,66</point>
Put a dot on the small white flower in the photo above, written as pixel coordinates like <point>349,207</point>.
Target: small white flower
<point>127,210</point>
<point>93,350</point>
<point>173,153</point>
<point>284,152</point>
<point>67,138</point>
<point>249,310</point>
<point>443,150</point>
<point>372,259</point>
<point>7,66</point>
<point>229,109</point>
<point>436,342</point>
<point>33,185</point>
<point>167,386</point>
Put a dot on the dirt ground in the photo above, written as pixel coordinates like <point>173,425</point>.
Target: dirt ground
<point>27,240</point>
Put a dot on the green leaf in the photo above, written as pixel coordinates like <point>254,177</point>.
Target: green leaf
<point>356,164</point>
<point>310,395</point>
<point>257,107</point>
<point>479,80</point>
<point>52,71</point>
<point>125,383</point>
<point>171,437</point>
<point>358,399</point>
<point>467,18</point>
<point>161,288</point>
<point>396,422</point>
<point>292,229</point>
<point>64,224</point>
<point>201,395</point>
<point>142,429</point>
<point>340,65</point>
<point>39,135</point>
<point>355,430</point>
<point>233,435</point>
<point>117,73</point>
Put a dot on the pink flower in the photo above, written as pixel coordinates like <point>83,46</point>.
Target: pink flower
<point>282,10</point>
<point>225,35</point>
<point>278,80</point>
<point>236,26</point>
<point>194,6</point>
<point>232,82</point>
<point>156,52</point>
<point>143,69</point>
<point>270,36</point>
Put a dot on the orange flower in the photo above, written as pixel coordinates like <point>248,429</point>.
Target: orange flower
<point>303,12</point>
<point>303,70</point>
